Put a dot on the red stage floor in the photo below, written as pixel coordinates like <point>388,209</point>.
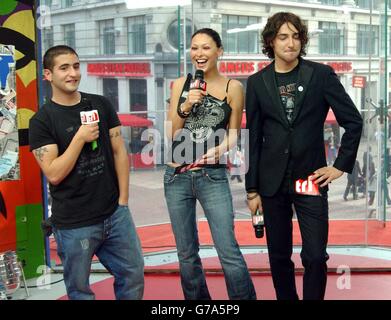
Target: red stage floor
<point>158,238</point>
<point>167,287</point>
<point>162,280</point>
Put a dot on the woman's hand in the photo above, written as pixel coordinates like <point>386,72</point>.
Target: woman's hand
<point>195,96</point>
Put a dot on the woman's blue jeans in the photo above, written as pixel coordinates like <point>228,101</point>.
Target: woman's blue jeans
<point>210,186</point>
<point>115,242</point>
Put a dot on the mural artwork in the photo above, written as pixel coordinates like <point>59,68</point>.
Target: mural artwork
<point>9,140</point>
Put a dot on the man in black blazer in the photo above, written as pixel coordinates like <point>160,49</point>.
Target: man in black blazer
<point>286,106</point>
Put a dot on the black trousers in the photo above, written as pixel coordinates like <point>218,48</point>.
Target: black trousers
<point>312,215</point>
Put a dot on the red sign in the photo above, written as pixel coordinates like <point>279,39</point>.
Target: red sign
<point>340,67</point>
<point>359,81</point>
<point>237,67</point>
<point>131,69</point>
<point>247,68</point>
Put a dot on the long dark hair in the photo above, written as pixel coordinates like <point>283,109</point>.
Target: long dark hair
<point>211,33</point>
<point>274,24</point>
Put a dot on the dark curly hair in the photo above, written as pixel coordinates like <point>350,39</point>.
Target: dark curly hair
<point>274,24</point>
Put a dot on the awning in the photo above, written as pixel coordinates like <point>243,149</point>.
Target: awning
<point>130,120</point>
<point>330,119</point>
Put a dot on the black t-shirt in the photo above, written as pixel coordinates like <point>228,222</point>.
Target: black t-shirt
<point>286,83</point>
<point>89,194</point>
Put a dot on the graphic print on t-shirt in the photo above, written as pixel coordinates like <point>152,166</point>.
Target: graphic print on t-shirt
<point>90,163</point>
<point>208,116</point>
<point>287,94</point>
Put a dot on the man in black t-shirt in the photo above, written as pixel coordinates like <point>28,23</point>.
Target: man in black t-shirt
<point>88,172</point>
<point>286,106</point>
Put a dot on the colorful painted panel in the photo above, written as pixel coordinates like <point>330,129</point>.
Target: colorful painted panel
<point>9,139</point>
<point>21,200</point>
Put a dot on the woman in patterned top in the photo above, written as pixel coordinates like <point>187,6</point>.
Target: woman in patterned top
<point>203,126</point>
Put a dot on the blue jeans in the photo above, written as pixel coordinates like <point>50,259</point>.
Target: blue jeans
<point>210,186</point>
<point>115,242</point>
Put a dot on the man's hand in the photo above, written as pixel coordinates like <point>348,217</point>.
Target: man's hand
<point>255,203</point>
<point>88,132</point>
<point>326,175</point>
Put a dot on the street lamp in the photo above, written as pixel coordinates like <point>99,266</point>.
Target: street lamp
<point>134,4</point>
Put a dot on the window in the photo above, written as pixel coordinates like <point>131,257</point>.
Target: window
<point>136,35</point>
<point>47,2</point>
<point>66,3</point>
<point>47,38</point>
<point>110,91</point>
<point>69,35</point>
<point>332,39</point>
<point>366,36</point>
<point>365,4</point>
<point>172,33</point>
<point>138,95</point>
<point>107,36</point>
<point>236,39</point>
<point>331,2</point>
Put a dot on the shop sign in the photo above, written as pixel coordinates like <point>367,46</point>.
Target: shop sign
<point>359,81</point>
<point>131,69</point>
<point>247,68</point>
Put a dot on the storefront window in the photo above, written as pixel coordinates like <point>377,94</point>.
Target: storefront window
<point>138,95</point>
<point>110,91</point>
<point>136,35</point>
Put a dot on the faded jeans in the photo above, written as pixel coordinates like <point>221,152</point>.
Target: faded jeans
<point>211,188</point>
<point>115,242</point>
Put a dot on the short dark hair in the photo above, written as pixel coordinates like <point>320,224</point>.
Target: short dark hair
<point>53,52</point>
<point>211,33</point>
<point>274,24</point>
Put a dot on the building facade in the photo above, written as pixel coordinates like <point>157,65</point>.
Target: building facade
<point>133,55</point>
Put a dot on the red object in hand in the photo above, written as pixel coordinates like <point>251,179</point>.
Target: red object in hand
<point>307,187</point>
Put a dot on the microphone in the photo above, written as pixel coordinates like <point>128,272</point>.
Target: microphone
<point>258,224</point>
<point>90,117</point>
<point>198,83</point>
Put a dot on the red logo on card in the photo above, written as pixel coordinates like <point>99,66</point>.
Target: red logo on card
<point>306,187</point>
<point>198,84</point>
<point>89,117</point>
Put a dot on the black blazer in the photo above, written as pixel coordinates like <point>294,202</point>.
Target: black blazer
<point>272,140</point>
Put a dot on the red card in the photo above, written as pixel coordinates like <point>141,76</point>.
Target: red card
<point>306,187</point>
